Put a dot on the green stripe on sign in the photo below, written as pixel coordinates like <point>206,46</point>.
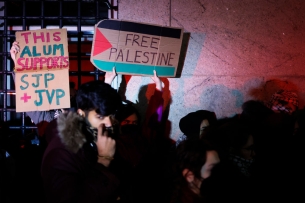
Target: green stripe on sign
<point>165,71</point>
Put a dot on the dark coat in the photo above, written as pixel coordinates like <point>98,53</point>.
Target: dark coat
<point>69,170</point>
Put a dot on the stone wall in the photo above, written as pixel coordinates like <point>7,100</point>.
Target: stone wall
<point>236,51</point>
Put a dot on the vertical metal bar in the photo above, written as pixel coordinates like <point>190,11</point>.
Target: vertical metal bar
<point>42,15</point>
<point>5,66</point>
<point>23,16</point>
<point>79,39</point>
<point>60,14</point>
<point>111,10</point>
<point>96,72</point>
<point>97,11</point>
<point>23,28</point>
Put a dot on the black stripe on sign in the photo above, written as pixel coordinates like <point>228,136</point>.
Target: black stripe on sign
<point>140,28</point>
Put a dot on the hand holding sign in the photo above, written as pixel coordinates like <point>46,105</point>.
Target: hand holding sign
<point>157,81</point>
<point>14,50</point>
<point>109,76</point>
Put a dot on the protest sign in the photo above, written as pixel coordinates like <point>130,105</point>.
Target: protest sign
<point>42,70</point>
<point>136,48</point>
<point>44,49</point>
<point>43,90</point>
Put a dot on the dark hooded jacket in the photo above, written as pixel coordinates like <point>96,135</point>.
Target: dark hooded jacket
<point>70,170</point>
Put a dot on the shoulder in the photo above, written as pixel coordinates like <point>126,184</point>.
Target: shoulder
<point>70,128</point>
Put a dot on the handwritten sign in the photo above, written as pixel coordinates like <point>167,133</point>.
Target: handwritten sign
<point>136,48</point>
<point>44,49</point>
<point>42,70</point>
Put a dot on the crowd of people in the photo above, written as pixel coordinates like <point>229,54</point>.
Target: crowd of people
<point>103,150</point>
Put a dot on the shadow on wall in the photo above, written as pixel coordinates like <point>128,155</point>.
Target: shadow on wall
<point>265,91</point>
<point>227,102</point>
<point>145,93</point>
<point>123,86</point>
<point>221,100</point>
<point>166,108</point>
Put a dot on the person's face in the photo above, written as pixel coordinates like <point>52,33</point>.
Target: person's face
<point>247,151</point>
<point>211,161</point>
<point>96,119</point>
<point>205,123</point>
<point>130,120</point>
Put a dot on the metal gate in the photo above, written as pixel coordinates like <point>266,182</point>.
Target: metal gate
<point>78,16</point>
<point>19,146</point>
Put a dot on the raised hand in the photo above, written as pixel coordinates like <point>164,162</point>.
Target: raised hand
<point>14,50</point>
<point>105,146</point>
<point>109,76</point>
<point>157,81</point>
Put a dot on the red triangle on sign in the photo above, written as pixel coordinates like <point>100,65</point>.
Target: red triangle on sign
<point>101,44</point>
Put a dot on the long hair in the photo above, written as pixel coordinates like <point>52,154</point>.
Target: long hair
<point>191,154</point>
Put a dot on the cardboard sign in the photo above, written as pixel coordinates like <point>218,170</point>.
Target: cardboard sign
<point>136,48</point>
<point>42,70</point>
<point>43,90</point>
<point>44,49</point>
